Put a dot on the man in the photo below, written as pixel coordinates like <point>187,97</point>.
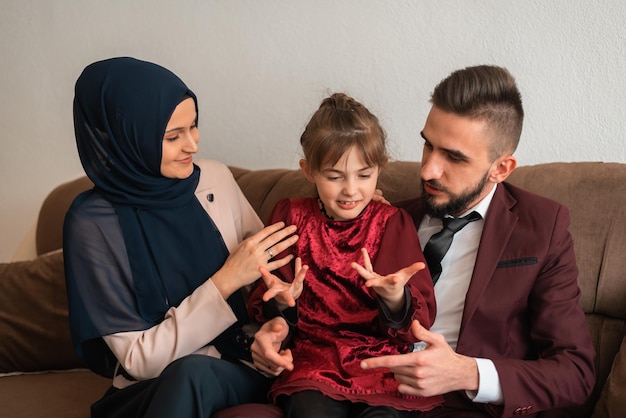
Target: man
<point>510,337</point>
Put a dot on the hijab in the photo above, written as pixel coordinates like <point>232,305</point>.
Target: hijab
<point>121,109</point>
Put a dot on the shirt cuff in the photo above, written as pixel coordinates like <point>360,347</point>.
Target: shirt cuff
<point>489,389</point>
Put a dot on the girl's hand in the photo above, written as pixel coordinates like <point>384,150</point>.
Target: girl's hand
<point>242,265</point>
<point>390,288</point>
<point>266,353</point>
<point>284,292</point>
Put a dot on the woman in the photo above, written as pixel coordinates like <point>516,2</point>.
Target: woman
<point>158,252</point>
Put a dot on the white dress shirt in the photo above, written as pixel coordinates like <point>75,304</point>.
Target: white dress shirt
<point>457,268</point>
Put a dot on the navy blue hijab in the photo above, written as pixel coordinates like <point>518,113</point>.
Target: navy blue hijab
<point>121,110</point>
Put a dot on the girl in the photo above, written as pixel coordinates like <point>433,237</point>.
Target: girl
<point>343,318</point>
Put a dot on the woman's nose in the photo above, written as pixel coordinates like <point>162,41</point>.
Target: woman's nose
<point>191,142</point>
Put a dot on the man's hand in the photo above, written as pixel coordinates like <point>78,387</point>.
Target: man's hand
<point>266,353</point>
<point>433,371</point>
<point>378,197</point>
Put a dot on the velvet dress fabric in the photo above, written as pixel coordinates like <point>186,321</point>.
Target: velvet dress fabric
<point>340,321</point>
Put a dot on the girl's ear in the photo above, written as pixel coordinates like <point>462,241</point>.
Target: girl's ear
<point>304,166</point>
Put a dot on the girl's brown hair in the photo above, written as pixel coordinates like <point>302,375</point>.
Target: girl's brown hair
<point>339,124</point>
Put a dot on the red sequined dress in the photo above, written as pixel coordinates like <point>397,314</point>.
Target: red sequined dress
<point>339,319</point>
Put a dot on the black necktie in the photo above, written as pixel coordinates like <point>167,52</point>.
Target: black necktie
<point>439,243</point>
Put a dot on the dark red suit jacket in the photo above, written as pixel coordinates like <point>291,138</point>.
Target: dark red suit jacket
<point>522,308</point>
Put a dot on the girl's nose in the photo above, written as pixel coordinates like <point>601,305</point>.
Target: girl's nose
<point>349,188</point>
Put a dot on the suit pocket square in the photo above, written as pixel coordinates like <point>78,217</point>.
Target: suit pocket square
<point>517,262</point>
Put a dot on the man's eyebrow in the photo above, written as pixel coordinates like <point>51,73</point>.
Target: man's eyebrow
<point>457,154</point>
<point>452,152</point>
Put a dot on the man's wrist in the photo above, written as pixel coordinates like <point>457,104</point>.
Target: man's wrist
<point>471,380</point>
<point>488,388</point>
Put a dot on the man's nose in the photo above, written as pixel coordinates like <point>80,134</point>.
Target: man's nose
<point>432,167</point>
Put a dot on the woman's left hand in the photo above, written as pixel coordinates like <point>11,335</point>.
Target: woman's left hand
<point>242,265</point>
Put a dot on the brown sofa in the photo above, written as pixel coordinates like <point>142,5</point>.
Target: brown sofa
<point>43,377</point>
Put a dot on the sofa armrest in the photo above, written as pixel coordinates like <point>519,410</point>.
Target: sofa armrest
<point>27,248</point>
<point>49,236</point>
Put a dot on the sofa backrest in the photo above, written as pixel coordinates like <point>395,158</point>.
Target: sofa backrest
<point>594,192</point>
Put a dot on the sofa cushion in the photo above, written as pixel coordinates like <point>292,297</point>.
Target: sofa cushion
<point>34,328</point>
<point>612,402</point>
<point>67,394</point>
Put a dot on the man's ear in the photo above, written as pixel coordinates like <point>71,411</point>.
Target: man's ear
<point>502,168</point>
<point>304,166</point>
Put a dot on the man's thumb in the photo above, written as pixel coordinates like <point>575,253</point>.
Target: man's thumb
<point>421,333</point>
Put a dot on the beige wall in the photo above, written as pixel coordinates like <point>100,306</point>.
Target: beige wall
<point>260,68</point>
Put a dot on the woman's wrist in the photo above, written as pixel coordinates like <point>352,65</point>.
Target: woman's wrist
<point>222,284</point>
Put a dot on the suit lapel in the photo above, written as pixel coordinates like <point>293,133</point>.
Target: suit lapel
<point>496,234</point>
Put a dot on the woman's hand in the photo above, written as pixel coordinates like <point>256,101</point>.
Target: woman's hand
<point>390,288</point>
<point>242,266</point>
<point>284,292</point>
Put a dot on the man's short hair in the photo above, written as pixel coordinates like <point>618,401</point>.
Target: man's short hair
<point>488,93</point>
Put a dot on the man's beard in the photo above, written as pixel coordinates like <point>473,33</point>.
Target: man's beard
<point>457,203</point>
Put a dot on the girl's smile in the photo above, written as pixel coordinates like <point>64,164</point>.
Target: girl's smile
<point>346,188</point>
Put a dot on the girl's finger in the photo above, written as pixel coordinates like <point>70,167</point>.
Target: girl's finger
<point>367,263</point>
